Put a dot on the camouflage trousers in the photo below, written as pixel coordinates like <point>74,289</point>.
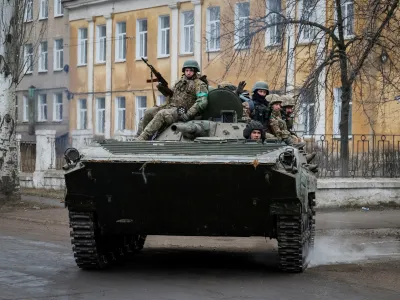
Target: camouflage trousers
<point>162,117</point>
<point>149,114</point>
<point>291,140</point>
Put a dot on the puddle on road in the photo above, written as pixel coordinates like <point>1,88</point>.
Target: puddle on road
<point>330,250</point>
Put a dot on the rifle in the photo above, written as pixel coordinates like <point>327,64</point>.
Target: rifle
<point>159,77</point>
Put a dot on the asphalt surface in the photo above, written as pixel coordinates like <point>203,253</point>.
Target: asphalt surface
<point>357,256</point>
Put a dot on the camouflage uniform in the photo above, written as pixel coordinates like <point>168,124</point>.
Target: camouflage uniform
<point>279,129</point>
<point>289,119</point>
<point>188,93</point>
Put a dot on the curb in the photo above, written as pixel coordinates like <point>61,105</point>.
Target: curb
<point>37,221</point>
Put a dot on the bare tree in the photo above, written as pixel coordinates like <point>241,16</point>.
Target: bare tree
<point>20,35</point>
<point>351,43</point>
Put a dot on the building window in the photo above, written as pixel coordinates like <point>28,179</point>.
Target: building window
<point>141,104</point>
<point>28,54</point>
<point>337,109</point>
<point>101,44</point>
<point>163,36</point>
<point>141,39</point>
<point>161,100</point>
<point>120,113</point>
<point>58,107</point>
<point>242,24</point>
<point>100,115</point>
<point>44,9</point>
<point>58,55</point>
<point>348,17</point>
<point>25,109</point>
<point>120,45</point>
<point>309,13</point>
<point>29,10</point>
<point>42,116</point>
<point>16,108</point>
<point>82,114</point>
<point>274,34</point>
<point>58,8</point>
<point>43,57</point>
<point>82,46</point>
<point>213,28</point>
<point>187,32</point>
<point>307,113</point>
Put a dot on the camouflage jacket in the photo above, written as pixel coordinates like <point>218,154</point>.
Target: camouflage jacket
<point>191,94</point>
<point>278,126</point>
<point>288,119</point>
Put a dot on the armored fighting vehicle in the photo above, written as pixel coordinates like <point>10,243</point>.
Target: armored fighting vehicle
<point>199,178</point>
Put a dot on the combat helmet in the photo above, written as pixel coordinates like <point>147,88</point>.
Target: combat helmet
<point>191,63</point>
<point>273,98</point>
<point>260,85</point>
<point>228,85</point>
<point>288,101</point>
<point>253,125</point>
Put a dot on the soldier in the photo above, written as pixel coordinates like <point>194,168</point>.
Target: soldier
<point>278,126</point>
<point>254,131</point>
<point>189,93</point>
<point>261,107</point>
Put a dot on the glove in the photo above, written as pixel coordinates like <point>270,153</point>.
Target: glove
<point>240,87</point>
<point>184,117</point>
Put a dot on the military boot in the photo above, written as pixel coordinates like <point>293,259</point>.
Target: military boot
<point>310,157</point>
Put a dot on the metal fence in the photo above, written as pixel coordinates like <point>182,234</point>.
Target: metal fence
<point>28,156</point>
<point>61,144</point>
<point>369,155</point>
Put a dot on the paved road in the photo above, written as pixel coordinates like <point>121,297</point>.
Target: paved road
<point>357,257</point>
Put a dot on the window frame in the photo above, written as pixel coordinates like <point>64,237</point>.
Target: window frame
<point>28,54</point>
<point>277,29</point>
<point>43,4</point>
<point>138,110</point>
<point>28,9</point>
<point>345,13</point>
<point>120,38</point>
<point>58,6</point>
<point>118,109</point>
<point>313,18</point>
<point>191,33</point>
<point>81,110</point>
<point>46,54</point>
<point>139,35</point>
<point>58,55</point>
<point>161,33</point>
<point>42,114</point>
<point>102,111</point>
<point>82,43</point>
<point>57,107</point>
<point>337,109</point>
<point>101,44</point>
<point>25,109</point>
<point>159,97</point>
<point>238,19</point>
<point>211,40</point>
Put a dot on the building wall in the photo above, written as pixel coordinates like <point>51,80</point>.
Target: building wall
<point>128,78</point>
<point>49,82</point>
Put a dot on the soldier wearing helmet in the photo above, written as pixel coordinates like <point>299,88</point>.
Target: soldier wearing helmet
<point>288,104</point>
<point>189,98</point>
<point>278,125</point>
<point>254,131</point>
<point>261,107</point>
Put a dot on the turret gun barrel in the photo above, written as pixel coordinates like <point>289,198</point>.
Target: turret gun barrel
<point>189,128</point>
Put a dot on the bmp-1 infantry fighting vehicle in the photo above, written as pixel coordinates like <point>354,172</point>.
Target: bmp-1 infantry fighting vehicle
<point>199,178</point>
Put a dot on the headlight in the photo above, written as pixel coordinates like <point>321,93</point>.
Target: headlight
<point>71,155</point>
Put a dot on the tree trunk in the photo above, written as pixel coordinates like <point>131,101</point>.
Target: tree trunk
<point>9,173</point>
<point>344,130</point>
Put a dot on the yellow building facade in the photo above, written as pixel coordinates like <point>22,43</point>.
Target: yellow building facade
<point>110,82</point>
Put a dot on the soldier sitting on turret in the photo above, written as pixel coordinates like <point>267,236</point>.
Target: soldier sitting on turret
<point>254,131</point>
<point>189,93</point>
